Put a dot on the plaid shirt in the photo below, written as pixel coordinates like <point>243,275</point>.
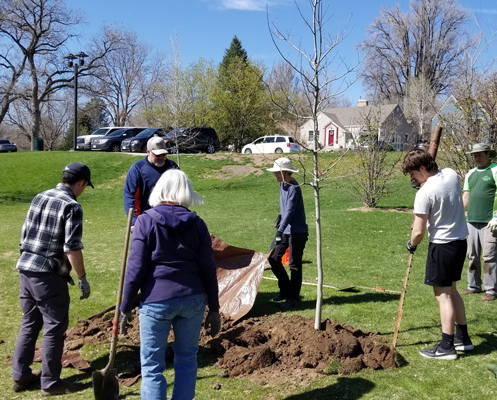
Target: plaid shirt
<point>53,226</point>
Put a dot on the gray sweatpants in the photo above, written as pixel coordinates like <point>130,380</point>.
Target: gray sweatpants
<point>482,244</point>
<point>45,302</point>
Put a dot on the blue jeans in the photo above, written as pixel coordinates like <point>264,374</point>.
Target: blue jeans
<point>185,314</point>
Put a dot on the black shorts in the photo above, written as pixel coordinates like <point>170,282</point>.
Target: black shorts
<point>445,262</point>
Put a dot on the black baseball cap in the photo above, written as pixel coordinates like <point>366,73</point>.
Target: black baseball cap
<point>80,171</point>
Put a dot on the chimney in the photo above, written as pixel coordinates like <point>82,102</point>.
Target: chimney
<point>362,103</point>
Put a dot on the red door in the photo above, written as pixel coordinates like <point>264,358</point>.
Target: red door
<point>331,136</point>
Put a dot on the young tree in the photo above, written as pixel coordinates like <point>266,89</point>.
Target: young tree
<point>314,69</point>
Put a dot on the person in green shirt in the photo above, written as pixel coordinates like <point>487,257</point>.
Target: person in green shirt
<point>480,201</point>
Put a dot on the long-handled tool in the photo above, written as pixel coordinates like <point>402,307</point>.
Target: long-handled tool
<point>433,149</point>
<point>105,384</point>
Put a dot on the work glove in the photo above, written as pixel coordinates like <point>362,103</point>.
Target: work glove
<point>277,237</point>
<point>69,279</point>
<point>415,184</point>
<point>492,225</point>
<point>124,318</point>
<point>410,248</point>
<point>277,221</point>
<point>84,286</point>
<point>213,321</point>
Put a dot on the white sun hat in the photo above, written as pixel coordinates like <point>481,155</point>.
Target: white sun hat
<point>282,164</point>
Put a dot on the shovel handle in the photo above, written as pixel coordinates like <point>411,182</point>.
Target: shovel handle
<point>117,313</point>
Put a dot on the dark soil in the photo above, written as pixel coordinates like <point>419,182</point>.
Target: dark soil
<point>270,349</point>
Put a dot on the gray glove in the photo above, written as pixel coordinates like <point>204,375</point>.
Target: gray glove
<point>124,318</point>
<point>213,321</point>
<point>492,225</point>
<point>84,286</point>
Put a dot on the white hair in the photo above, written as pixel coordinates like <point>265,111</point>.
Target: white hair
<point>174,186</point>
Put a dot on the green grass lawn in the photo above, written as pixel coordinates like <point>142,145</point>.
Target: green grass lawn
<point>360,248</point>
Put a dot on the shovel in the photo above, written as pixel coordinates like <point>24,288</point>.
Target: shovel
<point>105,384</point>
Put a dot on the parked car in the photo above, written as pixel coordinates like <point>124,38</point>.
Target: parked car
<point>192,139</point>
<point>138,144</point>
<point>272,144</point>
<point>377,145</point>
<point>6,146</point>
<point>84,142</point>
<point>112,141</point>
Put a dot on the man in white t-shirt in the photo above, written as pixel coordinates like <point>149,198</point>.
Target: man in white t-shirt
<point>438,208</point>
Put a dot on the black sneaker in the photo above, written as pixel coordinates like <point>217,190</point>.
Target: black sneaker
<point>279,297</point>
<point>439,353</point>
<point>463,344</point>
<point>289,303</point>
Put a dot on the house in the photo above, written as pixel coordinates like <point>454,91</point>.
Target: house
<point>467,119</point>
<point>341,128</point>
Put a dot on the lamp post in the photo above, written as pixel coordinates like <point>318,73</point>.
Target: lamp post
<point>71,62</point>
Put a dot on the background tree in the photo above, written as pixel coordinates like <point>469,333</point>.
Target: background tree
<point>314,69</point>
<point>240,106</point>
<point>125,76</point>
<point>428,41</point>
<point>420,106</point>
<point>35,32</point>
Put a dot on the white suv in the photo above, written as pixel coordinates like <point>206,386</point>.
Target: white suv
<point>272,144</point>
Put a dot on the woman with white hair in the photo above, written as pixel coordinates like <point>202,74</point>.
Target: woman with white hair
<point>171,263</point>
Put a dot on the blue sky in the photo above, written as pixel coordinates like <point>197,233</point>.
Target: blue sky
<point>205,28</point>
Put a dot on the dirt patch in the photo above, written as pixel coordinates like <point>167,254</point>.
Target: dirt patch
<point>368,209</point>
<point>273,350</point>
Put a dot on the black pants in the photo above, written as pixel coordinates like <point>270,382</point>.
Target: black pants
<point>289,285</point>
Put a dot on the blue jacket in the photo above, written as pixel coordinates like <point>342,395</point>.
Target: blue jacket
<point>292,209</point>
<point>170,256</point>
<point>140,180</point>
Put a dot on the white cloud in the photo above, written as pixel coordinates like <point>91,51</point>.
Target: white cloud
<point>247,5</point>
<point>489,11</point>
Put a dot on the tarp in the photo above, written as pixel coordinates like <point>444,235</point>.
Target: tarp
<point>239,274</point>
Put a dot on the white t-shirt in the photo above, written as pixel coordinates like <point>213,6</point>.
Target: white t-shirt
<point>440,197</point>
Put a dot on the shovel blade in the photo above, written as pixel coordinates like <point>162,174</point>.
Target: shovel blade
<point>105,385</point>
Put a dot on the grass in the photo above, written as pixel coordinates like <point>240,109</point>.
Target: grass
<point>366,249</point>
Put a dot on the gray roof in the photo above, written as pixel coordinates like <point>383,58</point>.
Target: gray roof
<point>350,116</point>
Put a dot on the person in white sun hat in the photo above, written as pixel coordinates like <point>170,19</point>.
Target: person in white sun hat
<point>292,233</point>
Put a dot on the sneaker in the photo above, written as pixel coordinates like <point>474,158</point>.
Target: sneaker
<point>439,353</point>
<point>463,344</point>
<point>279,297</point>
<point>23,384</point>
<point>469,291</point>
<point>62,387</point>
<point>488,297</point>
<point>288,303</point>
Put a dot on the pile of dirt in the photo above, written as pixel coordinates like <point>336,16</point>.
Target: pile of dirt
<point>271,349</point>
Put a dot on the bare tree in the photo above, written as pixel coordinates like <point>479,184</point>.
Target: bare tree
<point>36,31</point>
<point>373,164</point>
<point>428,42</point>
<point>420,105</point>
<point>125,76</point>
<point>320,85</point>
<point>471,115</point>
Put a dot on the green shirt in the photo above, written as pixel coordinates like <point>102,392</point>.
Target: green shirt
<point>480,183</point>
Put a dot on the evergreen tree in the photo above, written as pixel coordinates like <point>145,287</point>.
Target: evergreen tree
<point>234,52</point>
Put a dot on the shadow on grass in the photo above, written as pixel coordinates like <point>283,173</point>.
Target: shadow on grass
<point>488,345</point>
<point>264,305</point>
<point>344,388</point>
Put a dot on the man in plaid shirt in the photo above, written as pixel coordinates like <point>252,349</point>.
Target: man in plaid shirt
<point>50,246</point>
